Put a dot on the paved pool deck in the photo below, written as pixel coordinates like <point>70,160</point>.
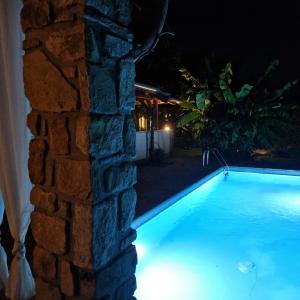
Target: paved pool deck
<point>158,182</point>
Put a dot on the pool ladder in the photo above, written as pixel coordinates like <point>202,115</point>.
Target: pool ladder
<point>218,156</point>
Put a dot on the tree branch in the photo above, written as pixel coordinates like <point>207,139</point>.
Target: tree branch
<point>151,41</point>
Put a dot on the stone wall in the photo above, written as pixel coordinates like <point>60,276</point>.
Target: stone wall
<point>79,79</point>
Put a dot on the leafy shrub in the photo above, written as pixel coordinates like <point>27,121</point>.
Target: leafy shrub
<point>248,118</point>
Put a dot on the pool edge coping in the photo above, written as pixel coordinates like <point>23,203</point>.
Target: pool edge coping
<point>173,199</point>
<point>265,170</point>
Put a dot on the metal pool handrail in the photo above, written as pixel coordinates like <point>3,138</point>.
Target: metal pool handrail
<point>218,156</point>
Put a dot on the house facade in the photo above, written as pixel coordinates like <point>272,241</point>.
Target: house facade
<point>153,120</point>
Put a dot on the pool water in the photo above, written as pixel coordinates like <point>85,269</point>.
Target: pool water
<point>233,238</point>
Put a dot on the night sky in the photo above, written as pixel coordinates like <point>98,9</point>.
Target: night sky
<point>251,24</point>
<point>248,33</point>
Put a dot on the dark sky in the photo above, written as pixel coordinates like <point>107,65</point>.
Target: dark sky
<point>248,33</point>
<point>252,24</point>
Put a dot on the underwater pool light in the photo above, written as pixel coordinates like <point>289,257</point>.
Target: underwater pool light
<point>169,281</point>
<point>140,250</point>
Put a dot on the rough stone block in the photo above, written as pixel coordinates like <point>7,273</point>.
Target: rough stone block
<point>82,236</point>
<point>130,137</point>
<point>37,149</point>
<point>35,14</point>
<point>71,13</point>
<point>87,284</point>
<point>108,25</point>
<point>126,86</point>
<point>67,43</point>
<point>34,122</point>
<point>104,232</point>
<point>49,232</point>
<point>127,209</point>
<point>124,9</point>
<point>65,4</point>
<point>67,10</point>
<point>82,134</point>
<point>97,180</point>
<point>106,7</point>
<point>66,278</point>
<point>119,178</point>
<point>116,47</point>
<point>69,71</point>
<point>31,43</point>
<point>49,171</point>
<point>43,200</point>
<point>106,135</point>
<point>46,291</point>
<point>87,289</point>
<point>58,135</point>
<point>116,274</point>
<point>73,178</point>
<point>102,90</point>
<point>128,240</point>
<point>63,210</point>
<point>52,76</point>
<point>45,87</point>
<point>44,263</point>
<point>83,86</point>
<point>44,127</point>
<point>126,290</point>
<point>93,45</point>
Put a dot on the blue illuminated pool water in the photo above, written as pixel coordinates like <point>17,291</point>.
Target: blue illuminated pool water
<point>234,238</point>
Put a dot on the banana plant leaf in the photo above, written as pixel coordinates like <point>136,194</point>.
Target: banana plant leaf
<point>200,99</point>
<point>189,117</point>
<point>278,93</point>
<point>271,68</point>
<point>244,91</point>
<point>188,105</point>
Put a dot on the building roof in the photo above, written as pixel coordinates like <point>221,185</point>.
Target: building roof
<point>150,94</point>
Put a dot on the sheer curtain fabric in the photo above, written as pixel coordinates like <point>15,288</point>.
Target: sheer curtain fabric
<point>14,137</point>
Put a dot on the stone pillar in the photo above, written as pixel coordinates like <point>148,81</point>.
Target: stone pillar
<point>79,79</point>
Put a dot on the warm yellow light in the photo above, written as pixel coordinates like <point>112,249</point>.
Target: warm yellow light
<point>142,123</point>
<point>167,128</point>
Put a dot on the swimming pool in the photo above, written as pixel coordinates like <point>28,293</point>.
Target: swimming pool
<point>225,238</point>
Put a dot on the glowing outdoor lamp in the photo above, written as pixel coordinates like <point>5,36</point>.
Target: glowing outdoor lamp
<point>167,128</point>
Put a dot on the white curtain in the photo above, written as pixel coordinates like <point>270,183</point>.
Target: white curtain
<point>14,137</point>
<point>3,258</point>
